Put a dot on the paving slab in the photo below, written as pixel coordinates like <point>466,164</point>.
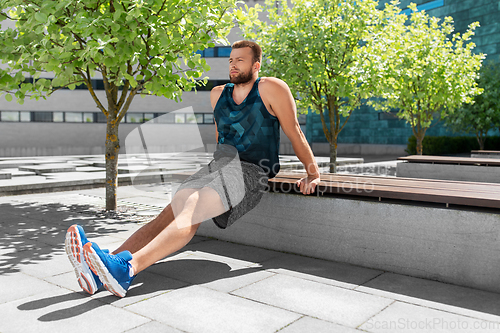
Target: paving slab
<point>5,175</point>
<point>198,309</point>
<point>208,273</point>
<point>323,271</point>
<point>456,299</point>
<point>327,302</point>
<point>14,163</point>
<point>154,327</point>
<point>21,286</point>
<point>309,324</point>
<point>403,317</point>
<point>228,252</point>
<point>48,168</point>
<point>14,172</point>
<point>65,311</point>
<point>89,169</point>
<point>145,287</point>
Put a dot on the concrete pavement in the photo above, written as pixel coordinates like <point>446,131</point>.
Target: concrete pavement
<point>210,285</point>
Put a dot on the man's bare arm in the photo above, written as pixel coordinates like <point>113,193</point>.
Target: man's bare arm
<point>214,97</point>
<point>283,105</point>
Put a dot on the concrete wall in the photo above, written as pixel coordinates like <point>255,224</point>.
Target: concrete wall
<point>454,246</point>
<point>323,149</point>
<point>471,173</point>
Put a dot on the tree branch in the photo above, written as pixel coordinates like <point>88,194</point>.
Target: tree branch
<point>92,92</point>
<point>64,86</point>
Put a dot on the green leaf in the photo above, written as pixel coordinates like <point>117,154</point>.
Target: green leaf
<point>40,17</point>
<point>8,97</point>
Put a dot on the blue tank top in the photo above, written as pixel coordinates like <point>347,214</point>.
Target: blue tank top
<point>250,128</point>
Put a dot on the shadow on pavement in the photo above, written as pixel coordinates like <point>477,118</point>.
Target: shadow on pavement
<point>31,233</point>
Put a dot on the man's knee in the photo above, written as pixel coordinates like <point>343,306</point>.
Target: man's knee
<point>184,198</point>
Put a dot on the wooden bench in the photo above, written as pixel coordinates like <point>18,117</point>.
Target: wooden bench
<point>485,153</point>
<point>405,190</point>
<point>449,168</point>
<point>442,230</point>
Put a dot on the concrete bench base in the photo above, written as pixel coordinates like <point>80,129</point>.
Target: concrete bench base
<point>449,245</point>
<point>486,155</point>
<point>472,173</point>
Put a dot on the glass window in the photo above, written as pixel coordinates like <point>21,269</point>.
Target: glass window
<point>191,118</point>
<point>425,6</point>
<point>199,118</point>
<point>10,116</point>
<point>180,118</point>
<point>42,116</point>
<point>25,115</point>
<point>224,51</point>
<point>302,118</point>
<point>101,117</point>
<point>134,117</point>
<point>208,52</point>
<point>58,117</point>
<point>209,118</point>
<point>73,117</point>
<point>148,116</point>
<point>88,117</point>
<point>165,118</point>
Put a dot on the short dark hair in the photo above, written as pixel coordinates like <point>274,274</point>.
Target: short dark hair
<point>256,50</point>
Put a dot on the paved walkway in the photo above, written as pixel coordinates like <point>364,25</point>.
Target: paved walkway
<point>210,285</point>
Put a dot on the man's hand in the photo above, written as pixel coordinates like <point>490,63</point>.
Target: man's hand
<point>307,185</point>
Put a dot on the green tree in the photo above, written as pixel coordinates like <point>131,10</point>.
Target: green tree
<point>324,50</point>
<point>480,116</point>
<point>428,72</point>
<point>138,46</point>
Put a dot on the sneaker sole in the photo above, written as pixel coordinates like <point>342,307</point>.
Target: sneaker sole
<point>74,250</point>
<point>97,266</point>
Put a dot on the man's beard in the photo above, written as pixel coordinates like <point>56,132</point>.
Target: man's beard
<point>241,77</point>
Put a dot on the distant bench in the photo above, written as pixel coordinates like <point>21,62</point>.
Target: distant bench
<point>485,153</point>
<point>450,168</point>
<point>441,230</point>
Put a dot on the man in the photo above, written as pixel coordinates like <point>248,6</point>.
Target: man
<point>248,113</point>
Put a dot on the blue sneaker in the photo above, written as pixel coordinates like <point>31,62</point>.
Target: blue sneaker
<point>115,271</point>
<point>75,240</point>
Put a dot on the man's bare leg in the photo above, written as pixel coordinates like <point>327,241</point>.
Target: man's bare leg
<point>173,228</point>
<point>148,232</point>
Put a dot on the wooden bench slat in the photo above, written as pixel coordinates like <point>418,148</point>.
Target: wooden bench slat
<point>401,189</point>
<point>408,182</point>
<point>486,151</point>
<point>427,195</point>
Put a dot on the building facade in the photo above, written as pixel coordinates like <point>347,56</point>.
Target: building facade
<point>368,126</point>
<point>68,122</point>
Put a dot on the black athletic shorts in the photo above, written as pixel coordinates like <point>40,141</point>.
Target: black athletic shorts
<point>239,184</point>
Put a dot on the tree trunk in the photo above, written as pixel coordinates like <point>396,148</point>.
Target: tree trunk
<point>419,144</point>
<point>112,150</point>
<point>480,140</point>
<point>333,156</point>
